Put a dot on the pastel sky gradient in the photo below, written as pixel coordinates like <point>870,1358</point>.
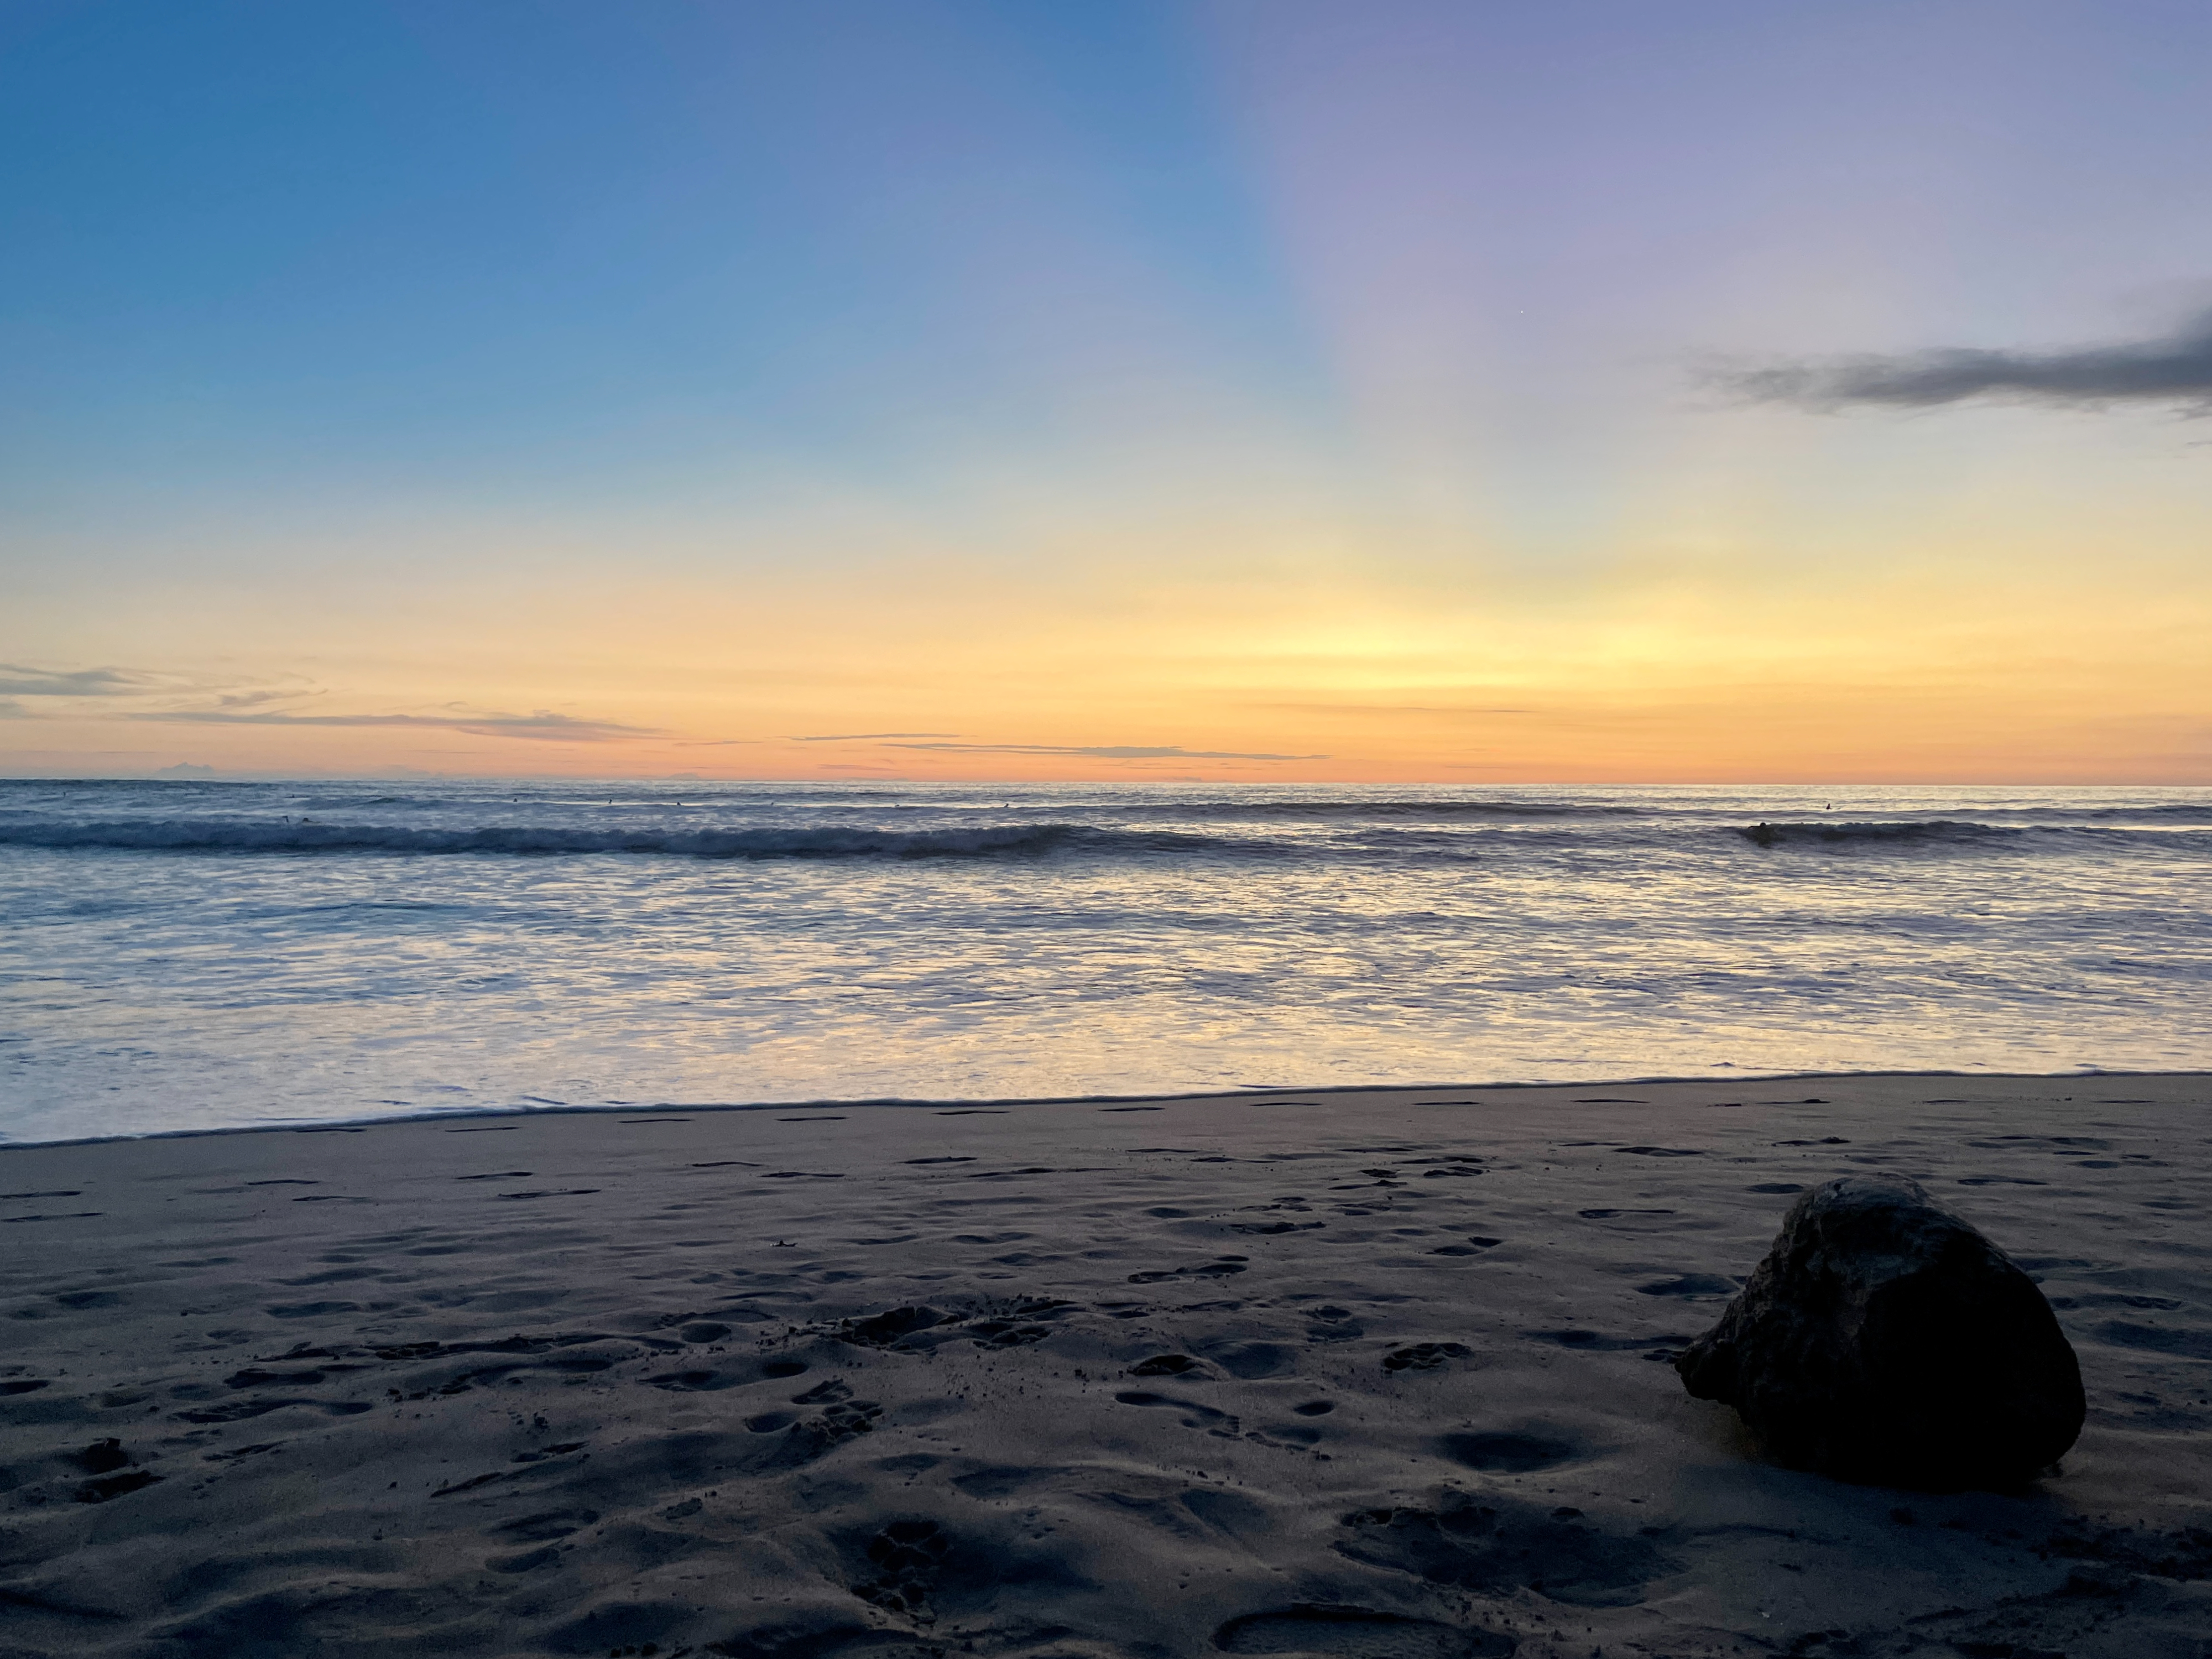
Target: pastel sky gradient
<point>1264,389</point>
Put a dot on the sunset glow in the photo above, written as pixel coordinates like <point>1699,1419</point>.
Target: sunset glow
<point>1247,390</point>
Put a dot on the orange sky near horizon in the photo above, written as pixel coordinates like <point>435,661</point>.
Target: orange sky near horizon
<point>1713,668</point>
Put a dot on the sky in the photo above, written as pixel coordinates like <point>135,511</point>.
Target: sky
<point>1272,389</point>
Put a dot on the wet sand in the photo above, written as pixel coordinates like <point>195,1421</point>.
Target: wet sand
<point>1345,1374</point>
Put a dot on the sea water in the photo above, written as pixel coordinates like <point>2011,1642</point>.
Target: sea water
<point>197,955</point>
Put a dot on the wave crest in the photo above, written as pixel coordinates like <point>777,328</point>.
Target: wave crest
<point>828,841</point>
<point>1902,831</point>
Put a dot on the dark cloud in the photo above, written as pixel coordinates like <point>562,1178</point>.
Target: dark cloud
<point>2176,369</point>
<point>20,682</point>
<point>1100,751</point>
<point>543,725</point>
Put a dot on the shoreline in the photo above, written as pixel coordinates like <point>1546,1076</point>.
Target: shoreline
<point>1258,1093</point>
<point>1171,1376</point>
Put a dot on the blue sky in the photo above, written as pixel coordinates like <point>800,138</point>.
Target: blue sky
<point>1105,374</point>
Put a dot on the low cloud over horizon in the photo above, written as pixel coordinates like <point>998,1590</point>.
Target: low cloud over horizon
<point>17,681</point>
<point>1100,751</point>
<point>543,725</point>
<point>121,693</point>
<point>870,736</point>
<point>2174,369</point>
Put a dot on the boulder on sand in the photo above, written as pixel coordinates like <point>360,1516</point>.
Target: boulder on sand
<point>1885,1339</point>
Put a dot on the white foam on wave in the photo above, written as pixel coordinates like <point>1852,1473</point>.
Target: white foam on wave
<point>200,956</point>
<point>826,842</point>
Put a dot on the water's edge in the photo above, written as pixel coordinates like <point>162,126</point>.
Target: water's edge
<point>1271,1097</point>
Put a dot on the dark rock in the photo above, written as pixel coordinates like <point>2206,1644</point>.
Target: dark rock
<point>1884,1340</point>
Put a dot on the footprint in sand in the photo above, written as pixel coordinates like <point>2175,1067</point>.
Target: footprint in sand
<point>886,1330</point>
<point>238,1411</point>
<point>1357,1633</point>
<point>908,1555</point>
<point>102,1457</point>
<point>237,1452</point>
<point>1506,1452</point>
<point>107,1460</point>
<point>1249,1362</point>
<point>1332,1324</point>
<point>544,1527</point>
<point>1598,1342</point>
<point>1690,1285</point>
<point>1501,1546</point>
<point>1191,1415</point>
<point>565,1192</point>
<point>1220,1268</point>
<point>696,1382</point>
<point>1424,1356</point>
<point>312,1309</point>
<point>1168,1364</point>
<point>114,1485</point>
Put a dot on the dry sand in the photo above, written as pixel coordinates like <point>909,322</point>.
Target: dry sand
<point>1331,1374</point>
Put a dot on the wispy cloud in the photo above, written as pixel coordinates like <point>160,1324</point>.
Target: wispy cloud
<point>545,726</point>
<point>2175,369</point>
<point>16,681</point>
<point>214,704</point>
<point>243,700</point>
<point>1386,708</point>
<point>870,736</point>
<point>1100,751</point>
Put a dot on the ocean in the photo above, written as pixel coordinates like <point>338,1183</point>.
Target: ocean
<point>189,955</point>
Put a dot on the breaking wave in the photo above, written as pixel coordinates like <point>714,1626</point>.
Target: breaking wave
<point>234,835</point>
<point>1477,811</point>
<point>1367,834</point>
<point>1907,831</point>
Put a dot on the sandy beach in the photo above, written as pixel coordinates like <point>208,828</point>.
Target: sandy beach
<point>1353,1374</point>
